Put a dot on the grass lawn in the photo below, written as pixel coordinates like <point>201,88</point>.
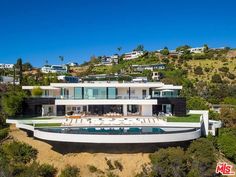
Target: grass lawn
<point>188,118</point>
<point>48,125</point>
<point>31,118</point>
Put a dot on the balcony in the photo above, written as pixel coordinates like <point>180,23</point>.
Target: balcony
<point>102,97</point>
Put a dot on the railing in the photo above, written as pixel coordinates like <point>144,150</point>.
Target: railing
<point>101,97</point>
<point>122,97</point>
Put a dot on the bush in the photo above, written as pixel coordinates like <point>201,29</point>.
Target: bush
<point>70,171</point>
<point>110,166</point>
<point>207,70</point>
<point>224,69</point>
<point>227,143</point>
<point>169,162</point>
<point>92,169</point>
<point>19,152</point>
<point>198,70</point>
<point>216,78</point>
<point>3,133</point>
<point>46,170</point>
<point>37,91</point>
<point>118,165</point>
<point>231,76</point>
<point>201,158</point>
<point>197,103</point>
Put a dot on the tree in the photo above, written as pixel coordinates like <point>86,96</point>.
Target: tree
<point>46,62</point>
<point>12,102</point>
<point>37,91</point>
<point>197,103</point>
<point>205,48</point>
<point>182,48</point>
<point>19,67</point>
<point>119,49</point>
<point>139,48</point>
<point>165,51</point>
<point>201,158</point>
<point>216,78</point>
<point>169,162</point>
<point>61,58</point>
<point>27,66</point>
<point>70,171</point>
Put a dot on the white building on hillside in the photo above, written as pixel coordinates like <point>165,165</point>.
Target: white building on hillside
<point>6,66</point>
<point>133,55</point>
<point>54,69</point>
<point>197,50</point>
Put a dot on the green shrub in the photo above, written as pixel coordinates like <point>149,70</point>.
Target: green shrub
<point>47,170</point>
<point>110,166</point>
<point>201,157</point>
<point>37,91</point>
<point>92,169</point>
<point>169,162</point>
<point>118,165</point>
<point>227,143</point>
<point>3,133</point>
<point>216,78</point>
<point>231,76</point>
<point>19,152</point>
<point>198,70</point>
<point>224,69</point>
<point>70,171</point>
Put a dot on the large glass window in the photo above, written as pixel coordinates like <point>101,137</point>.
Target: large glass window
<point>111,93</point>
<point>95,93</point>
<point>78,93</point>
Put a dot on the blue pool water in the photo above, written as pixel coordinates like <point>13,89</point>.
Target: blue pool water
<point>103,130</point>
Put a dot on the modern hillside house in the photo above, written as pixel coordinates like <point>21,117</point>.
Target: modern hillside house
<point>113,113</point>
<point>100,98</point>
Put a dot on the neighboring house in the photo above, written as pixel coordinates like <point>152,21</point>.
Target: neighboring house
<point>133,55</point>
<point>155,76</point>
<point>72,64</point>
<point>110,60</point>
<point>68,79</point>
<point>54,69</point>
<point>8,80</point>
<point>6,66</point>
<point>140,68</point>
<point>196,50</point>
<point>140,80</point>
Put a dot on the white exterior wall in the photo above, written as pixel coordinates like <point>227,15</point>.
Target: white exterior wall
<point>122,91</point>
<point>146,110</point>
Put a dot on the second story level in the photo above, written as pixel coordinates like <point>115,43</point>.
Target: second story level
<point>102,90</point>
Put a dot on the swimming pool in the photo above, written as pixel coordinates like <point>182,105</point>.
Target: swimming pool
<point>109,130</point>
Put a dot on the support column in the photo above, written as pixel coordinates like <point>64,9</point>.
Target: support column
<point>125,109</point>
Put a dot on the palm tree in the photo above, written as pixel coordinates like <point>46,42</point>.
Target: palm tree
<point>119,49</point>
<point>61,59</point>
<point>46,61</point>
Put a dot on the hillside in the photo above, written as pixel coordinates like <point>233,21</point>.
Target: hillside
<point>211,67</point>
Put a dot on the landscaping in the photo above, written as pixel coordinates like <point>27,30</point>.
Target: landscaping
<point>188,118</point>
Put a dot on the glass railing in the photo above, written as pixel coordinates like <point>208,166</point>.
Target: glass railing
<point>101,97</point>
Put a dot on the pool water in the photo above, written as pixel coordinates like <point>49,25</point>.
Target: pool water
<point>104,130</point>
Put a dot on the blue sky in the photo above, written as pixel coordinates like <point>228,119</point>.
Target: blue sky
<point>39,30</point>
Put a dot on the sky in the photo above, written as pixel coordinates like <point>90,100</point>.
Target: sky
<point>40,30</point>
